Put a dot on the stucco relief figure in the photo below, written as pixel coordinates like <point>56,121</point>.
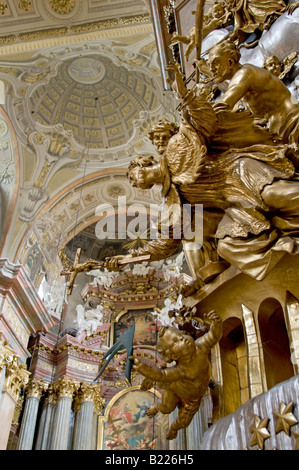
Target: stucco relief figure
<point>88,320</point>
<point>183,384</point>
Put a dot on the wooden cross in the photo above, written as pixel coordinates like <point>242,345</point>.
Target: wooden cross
<point>91,264</point>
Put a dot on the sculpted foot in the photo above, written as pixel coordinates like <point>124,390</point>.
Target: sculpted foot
<point>191,288</point>
<point>151,411</point>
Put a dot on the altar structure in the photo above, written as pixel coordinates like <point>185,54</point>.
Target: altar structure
<point>97,122</point>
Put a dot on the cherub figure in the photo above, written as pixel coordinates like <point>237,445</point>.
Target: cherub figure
<point>184,383</point>
<point>216,17</point>
<point>280,69</point>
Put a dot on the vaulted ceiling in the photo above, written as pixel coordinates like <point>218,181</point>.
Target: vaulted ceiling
<point>82,82</point>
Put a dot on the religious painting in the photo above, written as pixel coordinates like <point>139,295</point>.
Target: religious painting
<point>129,428</point>
<point>146,328</point>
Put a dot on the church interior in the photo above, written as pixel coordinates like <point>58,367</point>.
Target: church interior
<point>82,84</point>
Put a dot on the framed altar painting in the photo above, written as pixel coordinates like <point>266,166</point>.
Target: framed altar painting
<point>125,425</point>
<point>146,327</point>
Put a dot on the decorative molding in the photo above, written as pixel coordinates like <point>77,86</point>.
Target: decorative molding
<point>59,36</point>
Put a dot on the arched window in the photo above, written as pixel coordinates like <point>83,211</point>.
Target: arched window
<point>275,342</point>
<point>234,365</point>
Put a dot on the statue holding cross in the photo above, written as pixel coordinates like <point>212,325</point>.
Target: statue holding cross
<point>91,264</point>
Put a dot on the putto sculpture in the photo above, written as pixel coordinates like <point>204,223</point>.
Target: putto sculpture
<point>234,153</point>
<point>183,384</point>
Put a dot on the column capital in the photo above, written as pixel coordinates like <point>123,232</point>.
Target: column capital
<point>51,397</point>
<point>16,375</point>
<point>89,392</point>
<point>7,355</point>
<point>66,387</point>
<point>35,388</point>
<point>99,404</point>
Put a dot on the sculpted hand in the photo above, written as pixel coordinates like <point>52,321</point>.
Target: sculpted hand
<point>112,263</point>
<point>212,317</point>
<point>292,8</point>
<point>136,362</point>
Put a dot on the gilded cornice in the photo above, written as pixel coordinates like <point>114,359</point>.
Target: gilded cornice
<point>111,28</point>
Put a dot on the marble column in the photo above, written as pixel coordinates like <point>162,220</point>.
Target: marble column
<point>46,423</point>
<point>33,395</point>
<point>88,397</point>
<point>65,389</point>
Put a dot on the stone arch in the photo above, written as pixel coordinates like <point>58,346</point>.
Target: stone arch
<point>73,210</point>
<point>274,342</point>
<point>9,177</point>
<point>234,365</point>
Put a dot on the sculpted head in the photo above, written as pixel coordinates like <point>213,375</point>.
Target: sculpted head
<point>174,344</point>
<point>218,9</point>
<point>144,172</point>
<point>273,64</point>
<point>224,60</point>
<point>161,133</point>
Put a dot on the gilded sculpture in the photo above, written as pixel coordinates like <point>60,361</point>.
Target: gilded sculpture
<point>237,169</point>
<point>183,384</point>
<point>237,156</point>
<point>265,95</point>
<point>237,182</point>
<point>280,68</point>
<point>245,17</point>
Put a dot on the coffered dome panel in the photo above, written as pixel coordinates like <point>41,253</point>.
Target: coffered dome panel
<point>95,99</point>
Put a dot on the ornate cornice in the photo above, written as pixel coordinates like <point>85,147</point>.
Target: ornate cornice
<point>12,43</point>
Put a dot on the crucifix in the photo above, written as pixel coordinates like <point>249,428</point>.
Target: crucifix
<point>91,264</point>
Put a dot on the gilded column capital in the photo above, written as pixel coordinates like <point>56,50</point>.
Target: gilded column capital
<point>35,388</point>
<point>16,377</point>
<point>66,387</point>
<point>99,404</point>
<point>17,411</point>
<point>89,392</point>
<point>51,398</point>
<point>8,357</point>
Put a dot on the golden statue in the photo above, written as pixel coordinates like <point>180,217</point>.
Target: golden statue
<point>217,16</point>
<point>280,69</point>
<point>252,15</point>
<point>183,384</point>
<point>240,172</point>
<point>237,187</point>
<point>265,94</point>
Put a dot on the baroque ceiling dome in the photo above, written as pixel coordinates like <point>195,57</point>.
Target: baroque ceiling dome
<point>95,99</point>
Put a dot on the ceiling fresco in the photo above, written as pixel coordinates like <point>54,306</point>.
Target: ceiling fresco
<point>82,86</point>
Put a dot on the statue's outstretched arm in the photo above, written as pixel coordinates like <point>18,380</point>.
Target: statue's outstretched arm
<point>214,334</point>
<point>154,373</point>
